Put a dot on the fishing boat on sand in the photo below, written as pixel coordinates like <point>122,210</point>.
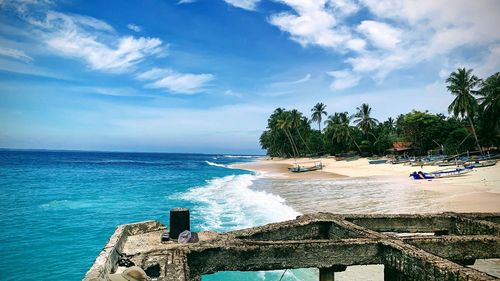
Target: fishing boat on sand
<point>480,164</point>
<point>422,163</point>
<point>302,167</point>
<point>451,163</point>
<point>440,174</point>
<point>400,161</point>
<point>377,161</point>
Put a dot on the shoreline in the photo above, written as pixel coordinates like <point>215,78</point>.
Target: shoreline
<point>478,191</point>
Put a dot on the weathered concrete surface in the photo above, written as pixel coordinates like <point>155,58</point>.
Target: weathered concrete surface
<point>320,240</point>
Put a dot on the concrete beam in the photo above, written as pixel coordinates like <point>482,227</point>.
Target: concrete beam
<point>459,247</point>
<point>254,256</point>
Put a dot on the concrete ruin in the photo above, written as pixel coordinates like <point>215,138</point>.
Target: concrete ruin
<point>439,247</point>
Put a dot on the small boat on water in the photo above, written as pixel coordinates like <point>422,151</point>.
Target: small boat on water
<point>440,174</point>
<point>377,161</point>
<point>480,164</point>
<point>300,168</point>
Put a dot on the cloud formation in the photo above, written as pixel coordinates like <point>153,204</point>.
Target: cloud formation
<point>343,79</point>
<point>134,27</point>
<point>244,4</point>
<point>399,34</point>
<point>175,82</point>
<point>94,42</point>
<point>15,54</point>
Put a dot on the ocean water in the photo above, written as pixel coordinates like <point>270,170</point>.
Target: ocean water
<point>58,209</point>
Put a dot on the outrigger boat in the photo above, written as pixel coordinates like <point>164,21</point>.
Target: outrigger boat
<point>377,161</point>
<point>451,163</point>
<point>480,164</point>
<point>440,174</point>
<point>422,163</point>
<point>400,161</point>
<point>297,168</point>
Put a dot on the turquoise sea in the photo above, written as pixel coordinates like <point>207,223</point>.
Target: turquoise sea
<point>59,208</point>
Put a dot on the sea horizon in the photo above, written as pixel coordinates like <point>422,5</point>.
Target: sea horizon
<point>124,151</point>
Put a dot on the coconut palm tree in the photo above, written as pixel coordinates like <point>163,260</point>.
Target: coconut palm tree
<point>317,113</point>
<point>297,120</point>
<point>490,96</point>
<point>363,120</point>
<point>284,123</point>
<point>339,123</point>
<point>390,124</point>
<point>462,83</point>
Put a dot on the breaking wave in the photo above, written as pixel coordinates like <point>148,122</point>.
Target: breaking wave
<point>216,164</point>
<point>229,203</point>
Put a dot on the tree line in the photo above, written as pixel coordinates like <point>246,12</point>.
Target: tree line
<point>473,124</point>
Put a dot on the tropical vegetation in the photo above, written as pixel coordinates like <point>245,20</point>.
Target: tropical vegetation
<point>473,124</point>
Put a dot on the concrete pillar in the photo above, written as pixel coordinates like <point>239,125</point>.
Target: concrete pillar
<point>392,274</point>
<point>179,221</point>
<point>328,274</point>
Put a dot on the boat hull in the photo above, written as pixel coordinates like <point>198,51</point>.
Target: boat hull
<point>440,174</point>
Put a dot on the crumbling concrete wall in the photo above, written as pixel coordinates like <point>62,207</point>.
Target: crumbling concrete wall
<point>324,241</point>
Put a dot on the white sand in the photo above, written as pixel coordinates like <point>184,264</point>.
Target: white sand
<point>478,191</point>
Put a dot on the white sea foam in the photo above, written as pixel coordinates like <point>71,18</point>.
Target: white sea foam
<point>216,164</point>
<point>229,203</point>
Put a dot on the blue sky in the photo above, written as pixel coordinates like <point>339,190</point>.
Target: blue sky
<point>203,76</point>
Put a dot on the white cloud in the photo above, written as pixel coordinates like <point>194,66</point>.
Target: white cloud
<point>311,24</point>
<point>231,93</point>
<point>380,34</point>
<point>172,81</point>
<point>343,79</point>
<point>15,54</point>
<point>244,4</point>
<point>318,23</point>
<point>344,7</point>
<point>93,41</point>
<point>134,27</point>
<point>426,29</point>
<point>185,1</point>
<point>306,78</point>
<point>401,33</point>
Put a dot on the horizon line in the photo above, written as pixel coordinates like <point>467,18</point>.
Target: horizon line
<point>119,151</point>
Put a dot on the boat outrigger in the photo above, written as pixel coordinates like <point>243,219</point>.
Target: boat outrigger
<point>480,164</point>
<point>451,163</point>
<point>299,168</point>
<point>440,174</point>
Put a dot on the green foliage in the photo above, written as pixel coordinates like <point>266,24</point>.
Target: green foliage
<point>489,111</point>
<point>457,141</point>
<point>289,134</point>
<point>363,120</point>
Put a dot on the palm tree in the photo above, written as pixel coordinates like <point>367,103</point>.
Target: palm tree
<point>317,113</point>
<point>339,123</point>
<point>462,83</point>
<point>390,124</point>
<point>297,120</point>
<point>284,123</point>
<point>490,92</point>
<point>363,119</point>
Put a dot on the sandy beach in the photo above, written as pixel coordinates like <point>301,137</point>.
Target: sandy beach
<point>478,191</point>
